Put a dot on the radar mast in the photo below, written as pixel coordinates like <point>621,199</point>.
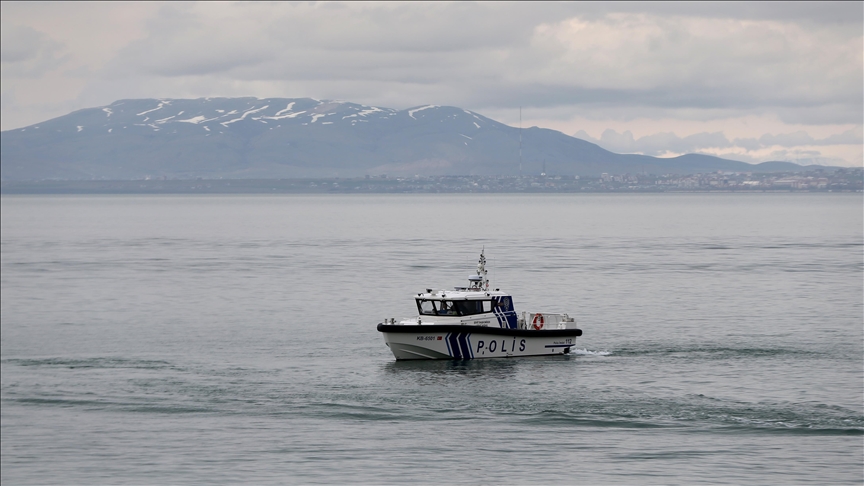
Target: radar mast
<point>479,281</point>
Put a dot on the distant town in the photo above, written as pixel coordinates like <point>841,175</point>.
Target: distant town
<point>818,180</point>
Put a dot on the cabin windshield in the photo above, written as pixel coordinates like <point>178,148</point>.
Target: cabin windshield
<point>453,307</point>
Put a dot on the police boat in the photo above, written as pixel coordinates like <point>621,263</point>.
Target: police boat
<point>475,322</point>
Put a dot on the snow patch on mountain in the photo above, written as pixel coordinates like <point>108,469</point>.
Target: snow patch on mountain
<point>288,108</point>
<point>369,111</point>
<point>282,117</point>
<point>161,104</point>
<point>195,119</point>
<point>411,112</point>
<point>244,115</point>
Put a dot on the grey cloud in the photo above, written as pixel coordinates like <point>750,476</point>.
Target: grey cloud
<point>324,40</point>
<point>801,138</point>
<point>486,55</point>
<point>749,144</point>
<point>20,43</point>
<point>842,14</point>
<point>173,17</point>
<point>199,60</point>
<point>7,100</point>
<point>846,108</point>
<point>786,139</point>
<point>409,28</point>
<point>179,43</point>
<point>330,33</point>
<point>705,139</point>
<point>853,136</point>
<point>26,52</point>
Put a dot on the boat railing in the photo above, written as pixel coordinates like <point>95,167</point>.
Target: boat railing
<point>546,320</point>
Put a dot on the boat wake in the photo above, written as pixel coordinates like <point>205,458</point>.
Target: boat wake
<point>586,352</point>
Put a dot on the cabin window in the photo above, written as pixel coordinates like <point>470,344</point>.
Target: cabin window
<point>469,307</point>
<point>426,307</point>
<point>447,308</point>
<point>453,307</point>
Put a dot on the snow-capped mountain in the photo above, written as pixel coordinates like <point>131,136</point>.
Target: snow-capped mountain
<point>287,138</point>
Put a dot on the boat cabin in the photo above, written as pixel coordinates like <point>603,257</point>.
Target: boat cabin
<point>475,304</point>
<point>466,307</point>
<point>478,305</point>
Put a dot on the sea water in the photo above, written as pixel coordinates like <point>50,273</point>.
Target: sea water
<point>231,339</point>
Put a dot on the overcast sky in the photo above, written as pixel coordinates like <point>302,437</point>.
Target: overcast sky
<point>746,81</point>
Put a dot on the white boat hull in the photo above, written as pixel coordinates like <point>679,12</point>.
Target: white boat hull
<point>474,342</point>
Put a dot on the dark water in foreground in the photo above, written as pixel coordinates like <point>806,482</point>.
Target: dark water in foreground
<point>232,339</point>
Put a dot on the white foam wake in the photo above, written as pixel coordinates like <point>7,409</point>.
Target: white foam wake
<point>589,353</point>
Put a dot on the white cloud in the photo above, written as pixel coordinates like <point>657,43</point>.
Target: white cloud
<point>670,62</point>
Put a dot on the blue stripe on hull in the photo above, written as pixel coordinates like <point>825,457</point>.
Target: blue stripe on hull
<point>453,345</point>
<point>464,346</point>
<point>459,345</point>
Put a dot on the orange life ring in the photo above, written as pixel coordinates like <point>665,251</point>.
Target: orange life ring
<point>538,321</point>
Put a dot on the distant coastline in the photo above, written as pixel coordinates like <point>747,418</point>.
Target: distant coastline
<point>827,180</point>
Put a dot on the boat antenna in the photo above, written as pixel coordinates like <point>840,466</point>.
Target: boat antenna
<point>481,269</point>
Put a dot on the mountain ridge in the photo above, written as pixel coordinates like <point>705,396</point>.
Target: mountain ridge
<point>244,138</point>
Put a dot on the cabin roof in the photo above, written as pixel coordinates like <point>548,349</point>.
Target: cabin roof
<point>460,293</point>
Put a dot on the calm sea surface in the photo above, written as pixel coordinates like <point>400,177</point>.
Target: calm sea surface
<point>231,339</point>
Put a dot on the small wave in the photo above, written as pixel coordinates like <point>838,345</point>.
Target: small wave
<point>89,363</point>
<point>113,405</point>
<point>568,418</point>
<point>352,411</point>
<point>694,412</point>
<point>718,352</point>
